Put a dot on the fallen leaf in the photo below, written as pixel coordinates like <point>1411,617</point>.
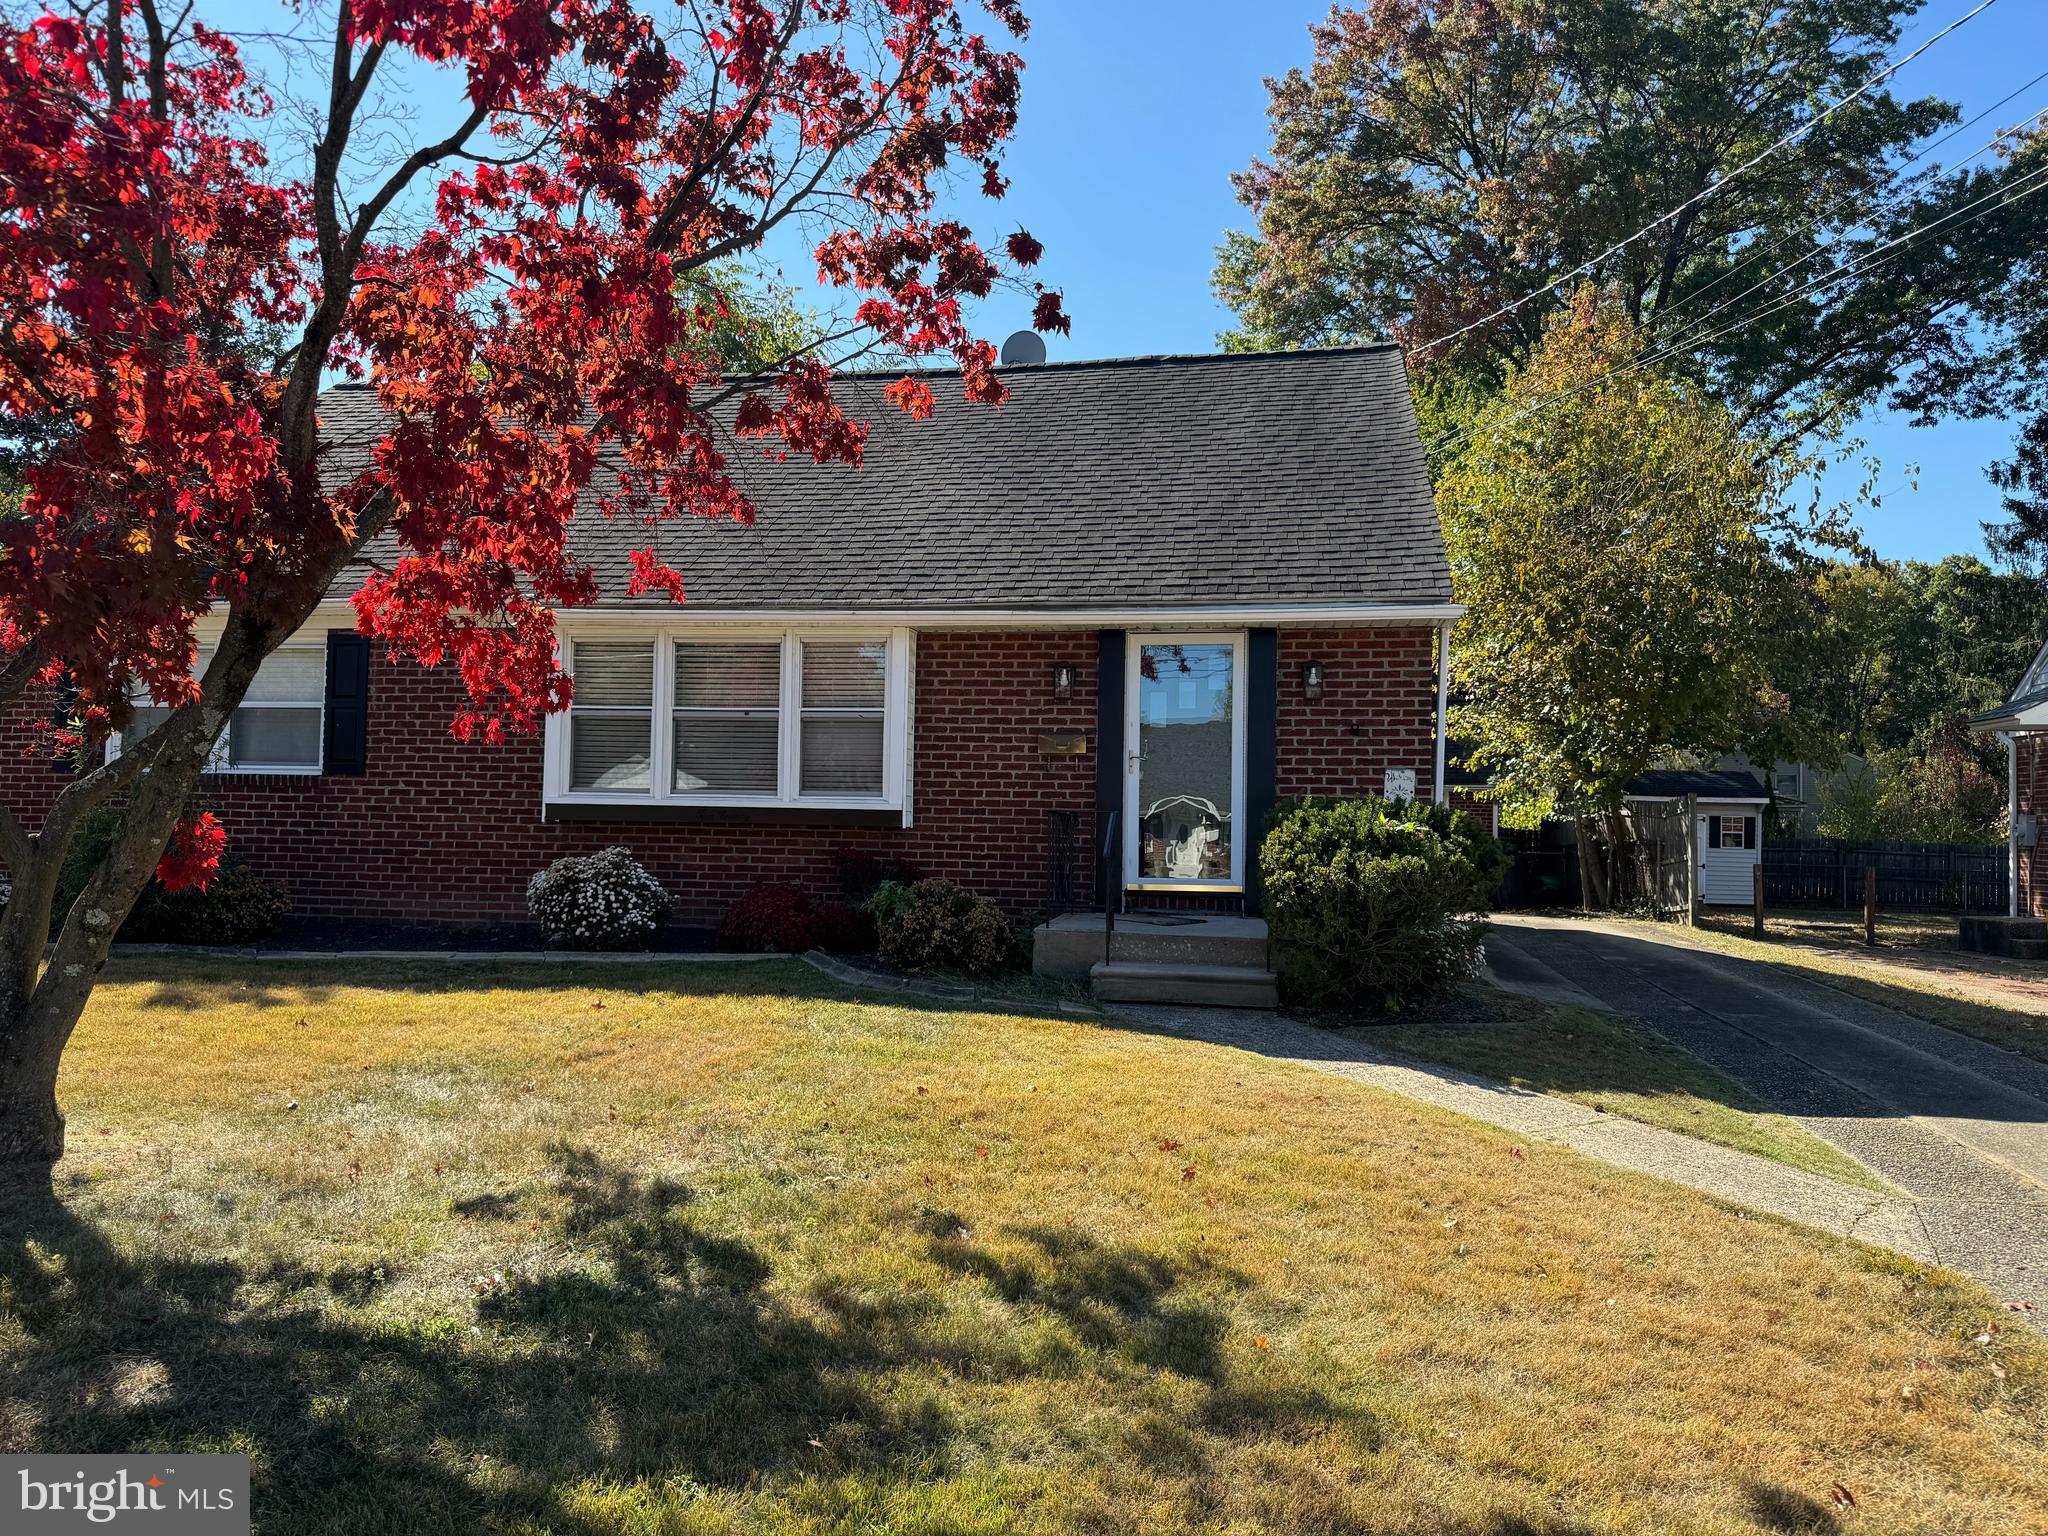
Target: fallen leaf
<point>1187,1174</point>
<point>1260,1341</point>
<point>1514,1152</point>
<point>981,1151</point>
<point>1842,1497</point>
<point>1168,1146</point>
<point>597,1005</point>
<point>1998,1370</point>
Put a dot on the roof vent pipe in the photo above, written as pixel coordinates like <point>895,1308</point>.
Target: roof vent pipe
<point>1023,347</point>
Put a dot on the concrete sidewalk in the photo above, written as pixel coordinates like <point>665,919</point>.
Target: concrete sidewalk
<point>1957,1123</point>
<point>1740,1178</point>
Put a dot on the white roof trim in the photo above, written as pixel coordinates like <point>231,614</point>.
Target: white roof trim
<point>1211,615</point>
<point>1705,799</point>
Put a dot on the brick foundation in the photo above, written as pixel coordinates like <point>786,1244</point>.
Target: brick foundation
<point>437,829</point>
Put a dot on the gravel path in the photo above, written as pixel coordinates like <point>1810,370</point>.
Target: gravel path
<point>1959,1124</point>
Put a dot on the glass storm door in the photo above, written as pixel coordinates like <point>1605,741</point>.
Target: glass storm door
<point>1184,762</point>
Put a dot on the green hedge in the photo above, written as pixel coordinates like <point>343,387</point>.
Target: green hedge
<point>1372,903</point>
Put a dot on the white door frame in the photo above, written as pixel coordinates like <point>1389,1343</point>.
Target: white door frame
<point>1134,642</point>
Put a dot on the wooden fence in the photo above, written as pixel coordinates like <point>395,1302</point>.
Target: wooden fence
<point>1911,877</point>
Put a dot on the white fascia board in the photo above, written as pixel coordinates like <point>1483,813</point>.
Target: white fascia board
<point>342,615</point>
<point>1214,616</point>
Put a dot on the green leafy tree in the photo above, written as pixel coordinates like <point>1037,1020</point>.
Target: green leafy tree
<point>1623,555</point>
<point>1441,158</point>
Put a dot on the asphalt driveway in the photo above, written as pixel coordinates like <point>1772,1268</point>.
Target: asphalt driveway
<point>1958,1124</point>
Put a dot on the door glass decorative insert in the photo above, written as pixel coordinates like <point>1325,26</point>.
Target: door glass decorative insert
<point>1185,773</point>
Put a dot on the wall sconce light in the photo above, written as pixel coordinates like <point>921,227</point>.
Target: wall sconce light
<point>1063,680</point>
<point>1312,680</point>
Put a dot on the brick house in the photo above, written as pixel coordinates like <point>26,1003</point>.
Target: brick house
<point>1159,590</point>
<point>2021,722</point>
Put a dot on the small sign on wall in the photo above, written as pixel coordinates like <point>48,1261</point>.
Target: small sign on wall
<point>1400,784</point>
<point>2026,830</point>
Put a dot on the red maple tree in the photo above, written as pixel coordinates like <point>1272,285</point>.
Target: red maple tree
<point>531,297</point>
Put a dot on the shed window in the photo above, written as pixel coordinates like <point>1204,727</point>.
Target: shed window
<point>1734,831</point>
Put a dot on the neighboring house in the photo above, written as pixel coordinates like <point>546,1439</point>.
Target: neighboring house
<point>1165,590</point>
<point>2021,722</point>
<point>1727,833</point>
<point>1799,791</point>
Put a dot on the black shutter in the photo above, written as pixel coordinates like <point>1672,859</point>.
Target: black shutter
<point>1109,745</point>
<point>1749,831</point>
<point>63,709</point>
<point>1713,831</point>
<point>346,748</point>
<point>1261,750</point>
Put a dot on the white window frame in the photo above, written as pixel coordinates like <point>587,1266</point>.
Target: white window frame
<point>789,720</point>
<point>217,760</point>
<point>1740,826</point>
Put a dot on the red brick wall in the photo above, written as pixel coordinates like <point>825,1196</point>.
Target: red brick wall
<point>1378,711</point>
<point>2033,785</point>
<point>442,830</point>
<point>29,780</point>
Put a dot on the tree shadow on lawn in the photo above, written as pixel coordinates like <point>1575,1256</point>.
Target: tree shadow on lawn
<point>661,1356</point>
<point>657,1352</point>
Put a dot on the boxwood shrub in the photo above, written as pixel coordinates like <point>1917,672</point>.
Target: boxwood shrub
<point>1374,903</point>
<point>936,925</point>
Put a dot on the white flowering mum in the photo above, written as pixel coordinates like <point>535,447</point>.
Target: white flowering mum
<point>602,900</point>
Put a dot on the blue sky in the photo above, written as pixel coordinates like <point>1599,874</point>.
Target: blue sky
<point>1135,114</point>
<point>1137,111</point>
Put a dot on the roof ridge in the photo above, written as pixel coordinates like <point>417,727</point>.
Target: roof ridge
<point>1134,360</point>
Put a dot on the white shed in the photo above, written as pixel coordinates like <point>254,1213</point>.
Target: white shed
<point>1728,830</point>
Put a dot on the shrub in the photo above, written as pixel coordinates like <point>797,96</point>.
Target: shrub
<point>861,873</point>
<point>237,907</point>
<point>934,925</point>
<point>602,900</point>
<point>840,928</point>
<point>770,916</point>
<point>1369,901</point>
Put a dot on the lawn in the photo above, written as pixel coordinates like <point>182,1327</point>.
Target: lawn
<point>718,1248</point>
<point>1613,1064</point>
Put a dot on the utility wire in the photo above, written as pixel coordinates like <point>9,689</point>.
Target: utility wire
<point>2028,184</point>
<point>1814,223</point>
<point>1696,325</point>
<point>1708,191</point>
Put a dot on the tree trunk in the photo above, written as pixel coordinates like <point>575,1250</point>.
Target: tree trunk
<point>1594,889</point>
<point>43,993</point>
<point>31,1124</point>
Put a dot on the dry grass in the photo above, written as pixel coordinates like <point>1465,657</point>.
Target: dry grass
<point>1616,1065</point>
<point>1916,969</point>
<point>734,1252</point>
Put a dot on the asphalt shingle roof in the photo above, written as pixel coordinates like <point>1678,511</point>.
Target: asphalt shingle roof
<point>1281,477</point>
<point>1707,784</point>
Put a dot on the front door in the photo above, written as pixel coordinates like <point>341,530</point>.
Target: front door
<point>1184,763</point>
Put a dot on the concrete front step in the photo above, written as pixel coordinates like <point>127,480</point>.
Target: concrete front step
<point>1072,945</point>
<point>1209,986</point>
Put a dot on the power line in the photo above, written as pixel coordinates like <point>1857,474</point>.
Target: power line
<point>2026,186</point>
<point>1765,282</point>
<point>1708,191</point>
<point>1814,223</point>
